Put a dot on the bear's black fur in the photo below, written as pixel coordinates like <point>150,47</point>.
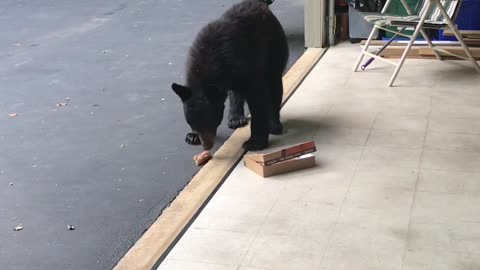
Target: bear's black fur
<point>244,51</point>
<point>236,117</point>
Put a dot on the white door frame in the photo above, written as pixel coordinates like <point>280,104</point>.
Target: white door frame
<point>315,22</point>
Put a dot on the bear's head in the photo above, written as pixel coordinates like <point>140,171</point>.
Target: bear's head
<point>203,111</point>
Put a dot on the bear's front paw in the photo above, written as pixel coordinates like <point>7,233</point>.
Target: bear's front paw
<point>237,122</point>
<point>254,145</point>
<point>192,138</point>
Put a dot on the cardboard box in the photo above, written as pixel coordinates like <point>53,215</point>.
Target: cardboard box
<point>282,154</point>
<point>295,164</point>
<point>282,160</point>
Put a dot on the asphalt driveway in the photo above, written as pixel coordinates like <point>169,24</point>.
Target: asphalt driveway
<point>90,133</point>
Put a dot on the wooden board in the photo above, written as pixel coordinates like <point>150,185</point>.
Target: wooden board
<point>397,51</point>
<point>421,52</point>
<point>470,42</point>
<point>429,52</point>
<point>472,34</point>
<point>396,43</point>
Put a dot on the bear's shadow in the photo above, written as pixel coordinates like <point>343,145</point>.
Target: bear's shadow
<point>324,130</point>
<point>300,130</point>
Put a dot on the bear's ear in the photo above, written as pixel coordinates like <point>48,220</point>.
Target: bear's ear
<point>183,92</point>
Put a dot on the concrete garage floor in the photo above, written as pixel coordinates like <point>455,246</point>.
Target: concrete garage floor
<point>396,186</point>
<point>114,61</point>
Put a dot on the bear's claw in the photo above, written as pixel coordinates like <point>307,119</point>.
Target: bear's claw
<point>237,122</point>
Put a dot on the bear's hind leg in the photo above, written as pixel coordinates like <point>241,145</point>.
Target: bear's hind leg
<point>276,95</point>
<point>259,104</point>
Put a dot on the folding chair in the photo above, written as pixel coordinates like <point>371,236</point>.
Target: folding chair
<point>432,14</point>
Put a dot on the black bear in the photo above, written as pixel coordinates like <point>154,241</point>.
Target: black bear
<point>245,51</point>
<point>236,116</point>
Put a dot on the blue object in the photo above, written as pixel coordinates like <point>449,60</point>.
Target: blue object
<point>468,18</point>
